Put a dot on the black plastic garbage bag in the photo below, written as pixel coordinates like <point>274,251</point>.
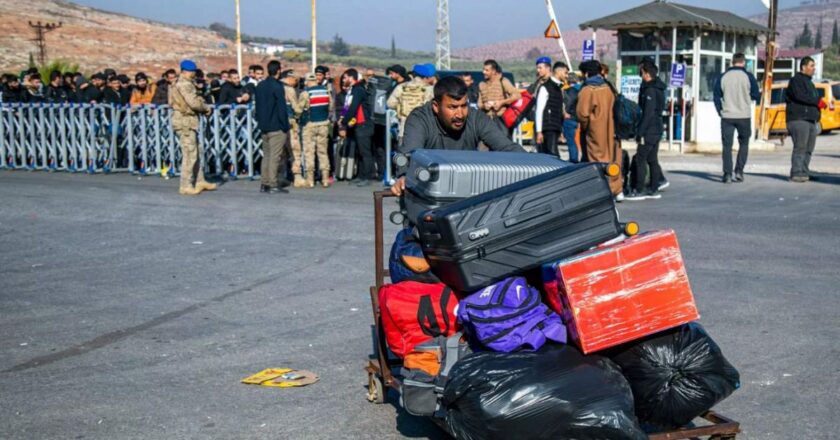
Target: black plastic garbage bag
<point>676,375</point>
<point>556,393</point>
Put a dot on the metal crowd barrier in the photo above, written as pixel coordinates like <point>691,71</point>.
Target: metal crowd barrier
<point>138,139</point>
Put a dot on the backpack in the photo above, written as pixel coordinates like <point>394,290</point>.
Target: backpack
<point>627,115</point>
<point>421,390</point>
<point>413,312</point>
<point>413,96</point>
<point>406,262</point>
<point>509,316</point>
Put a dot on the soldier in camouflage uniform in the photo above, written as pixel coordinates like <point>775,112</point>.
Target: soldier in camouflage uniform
<point>294,109</point>
<point>186,106</point>
<point>317,106</point>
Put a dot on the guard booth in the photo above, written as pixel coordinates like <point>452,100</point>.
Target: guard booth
<point>703,39</point>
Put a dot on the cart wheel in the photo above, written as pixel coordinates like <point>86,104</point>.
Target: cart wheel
<point>376,392</point>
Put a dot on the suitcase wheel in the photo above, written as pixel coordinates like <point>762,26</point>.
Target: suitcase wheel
<point>376,391</point>
<point>397,217</point>
<point>631,229</point>
<point>613,170</point>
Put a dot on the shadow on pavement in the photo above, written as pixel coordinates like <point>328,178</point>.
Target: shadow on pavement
<point>700,175</point>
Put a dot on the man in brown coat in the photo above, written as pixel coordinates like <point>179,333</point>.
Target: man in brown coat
<point>597,126</point>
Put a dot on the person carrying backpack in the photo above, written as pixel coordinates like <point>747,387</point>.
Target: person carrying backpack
<point>648,134</point>
<point>597,123</point>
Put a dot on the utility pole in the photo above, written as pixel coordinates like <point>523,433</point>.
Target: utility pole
<point>40,34</point>
<point>314,37</point>
<point>238,40</point>
<point>444,60</point>
<point>769,62</point>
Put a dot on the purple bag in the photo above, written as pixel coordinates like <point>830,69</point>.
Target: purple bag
<point>509,316</point>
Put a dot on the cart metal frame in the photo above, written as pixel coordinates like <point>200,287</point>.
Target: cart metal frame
<point>380,366</point>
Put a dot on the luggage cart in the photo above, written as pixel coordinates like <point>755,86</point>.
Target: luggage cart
<point>383,369</point>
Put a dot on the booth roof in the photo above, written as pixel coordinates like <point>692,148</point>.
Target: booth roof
<point>665,14</point>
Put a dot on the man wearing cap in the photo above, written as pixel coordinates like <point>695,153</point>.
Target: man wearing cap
<point>398,75</point>
<point>143,91</point>
<point>317,106</point>
<point>410,95</point>
<point>294,110</point>
<point>186,106</point>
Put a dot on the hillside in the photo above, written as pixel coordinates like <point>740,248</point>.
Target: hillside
<point>791,23</point>
<point>96,39</point>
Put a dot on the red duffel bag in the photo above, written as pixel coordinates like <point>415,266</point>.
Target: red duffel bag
<point>517,110</point>
<point>414,312</point>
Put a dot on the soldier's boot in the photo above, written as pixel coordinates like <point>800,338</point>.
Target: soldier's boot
<point>310,179</point>
<point>190,191</point>
<point>299,182</point>
<point>325,178</point>
<point>206,186</point>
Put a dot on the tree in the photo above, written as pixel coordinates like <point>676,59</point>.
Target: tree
<point>394,47</point>
<point>532,54</point>
<point>818,38</point>
<point>339,47</point>
<point>805,39</point>
<point>835,36</point>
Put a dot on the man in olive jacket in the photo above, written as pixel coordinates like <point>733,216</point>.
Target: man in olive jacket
<point>803,110</point>
<point>186,106</point>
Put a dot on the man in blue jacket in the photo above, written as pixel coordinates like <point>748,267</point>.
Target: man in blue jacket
<point>652,103</point>
<point>735,92</point>
<point>273,121</point>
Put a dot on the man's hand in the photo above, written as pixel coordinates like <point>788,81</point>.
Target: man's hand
<point>540,138</point>
<point>566,116</point>
<point>398,187</point>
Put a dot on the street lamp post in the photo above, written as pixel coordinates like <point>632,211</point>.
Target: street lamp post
<point>314,37</point>
<point>238,40</point>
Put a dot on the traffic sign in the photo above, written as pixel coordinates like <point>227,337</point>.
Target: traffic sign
<point>552,31</point>
<point>588,50</point>
<point>677,75</point>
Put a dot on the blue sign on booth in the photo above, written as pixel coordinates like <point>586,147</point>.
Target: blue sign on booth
<point>588,50</point>
<point>677,75</point>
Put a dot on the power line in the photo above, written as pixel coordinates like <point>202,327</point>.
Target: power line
<point>40,33</point>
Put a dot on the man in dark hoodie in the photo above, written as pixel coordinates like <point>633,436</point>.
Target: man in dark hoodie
<point>162,87</point>
<point>652,103</point>
<point>56,91</point>
<point>804,107</point>
<point>93,92</point>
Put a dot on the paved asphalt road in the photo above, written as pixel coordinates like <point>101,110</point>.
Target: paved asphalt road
<point>127,311</point>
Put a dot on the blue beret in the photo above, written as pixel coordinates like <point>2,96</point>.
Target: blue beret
<point>544,60</point>
<point>424,70</point>
<point>188,66</point>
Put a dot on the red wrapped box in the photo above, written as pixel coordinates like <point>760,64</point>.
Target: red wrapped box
<point>621,292</point>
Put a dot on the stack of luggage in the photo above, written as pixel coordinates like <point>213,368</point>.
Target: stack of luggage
<point>523,308</point>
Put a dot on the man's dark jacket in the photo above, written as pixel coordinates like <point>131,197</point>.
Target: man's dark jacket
<point>229,93</point>
<point>802,99</point>
<point>652,104</point>
<point>270,105</point>
<point>423,131</point>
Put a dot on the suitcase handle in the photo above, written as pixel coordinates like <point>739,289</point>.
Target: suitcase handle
<point>532,214</point>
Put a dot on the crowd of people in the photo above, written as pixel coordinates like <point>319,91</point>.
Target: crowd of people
<point>576,108</point>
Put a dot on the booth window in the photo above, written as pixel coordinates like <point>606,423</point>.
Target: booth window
<point>632,41</point>
<point>746,44</point>
<point>712,40</point>
<point>710,70</point>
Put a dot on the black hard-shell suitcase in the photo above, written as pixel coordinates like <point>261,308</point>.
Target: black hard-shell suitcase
<point>480,240</point>
<point>435,178</point>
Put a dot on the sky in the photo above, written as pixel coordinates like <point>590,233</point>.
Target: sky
<point>411,22</point>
